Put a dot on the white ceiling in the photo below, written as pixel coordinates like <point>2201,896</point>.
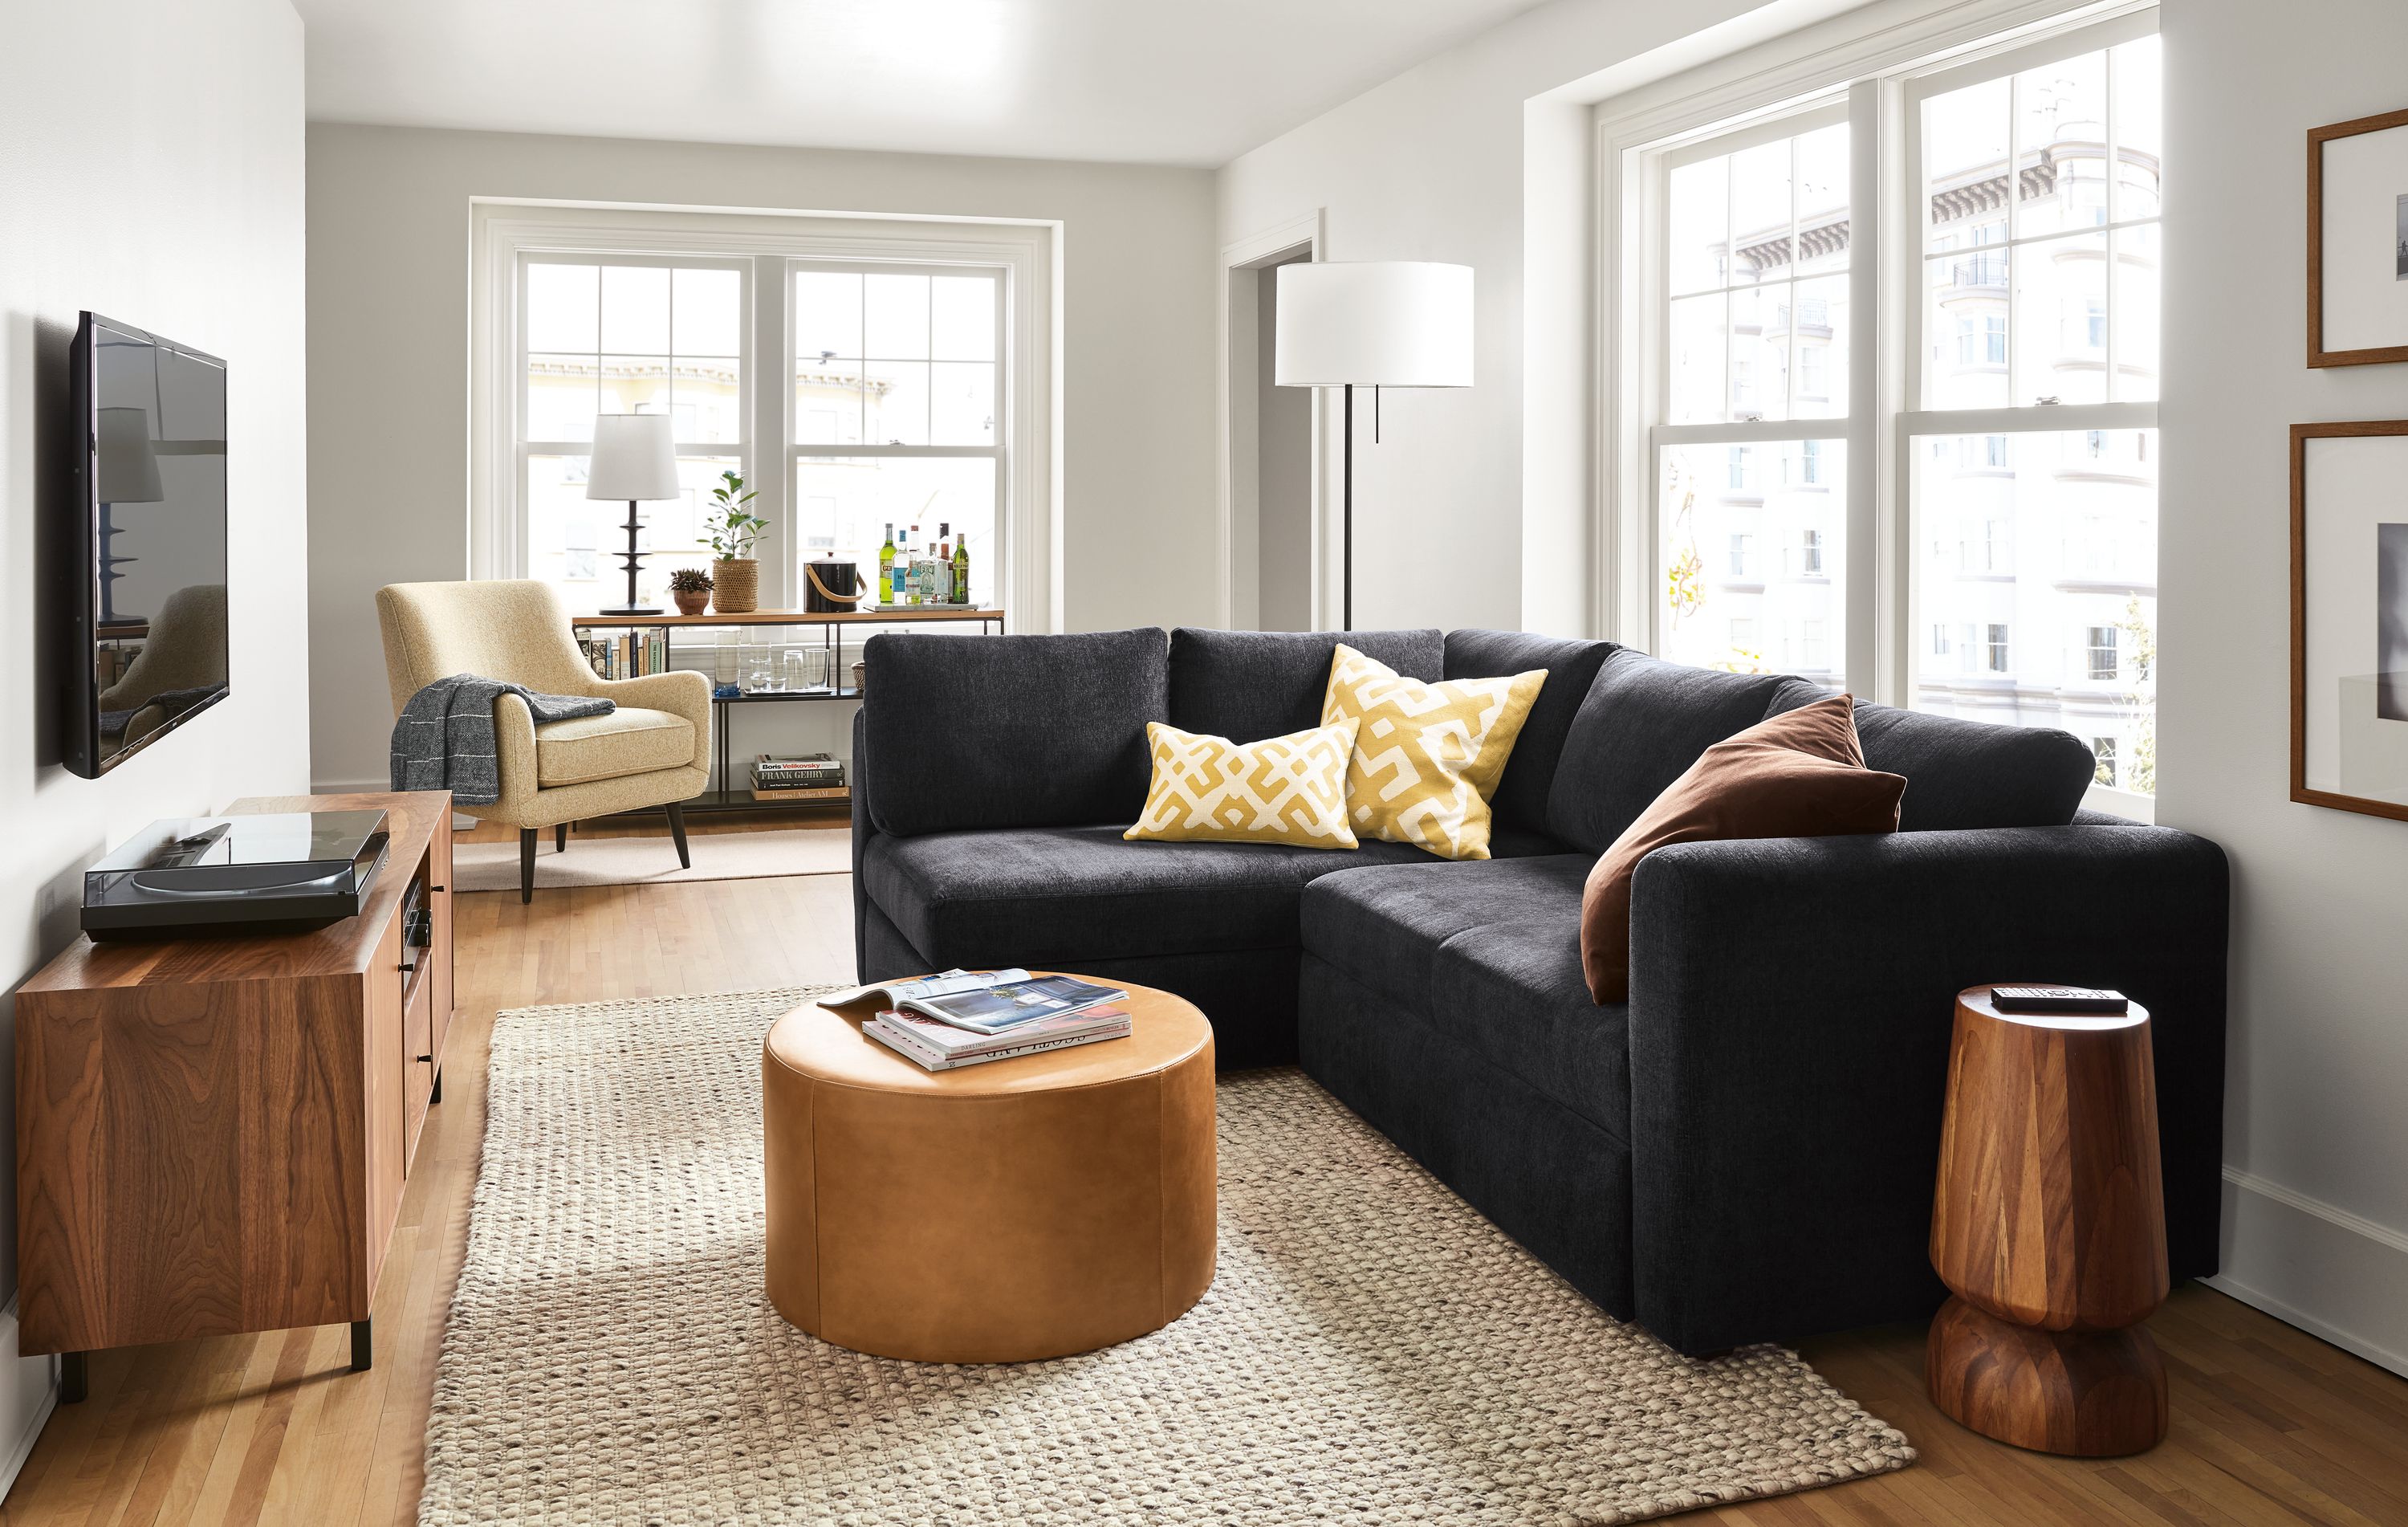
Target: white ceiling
<point>1163,82</point>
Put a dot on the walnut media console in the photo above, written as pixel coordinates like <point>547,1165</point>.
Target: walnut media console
<point>212,1134</point>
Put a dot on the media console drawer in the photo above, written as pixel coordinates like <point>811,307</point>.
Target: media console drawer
<point>212,1134</point>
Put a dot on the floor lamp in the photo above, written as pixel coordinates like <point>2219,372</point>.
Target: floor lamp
<point>1375,324</point>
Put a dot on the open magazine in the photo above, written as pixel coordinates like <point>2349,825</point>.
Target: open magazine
<point>986,1001</point>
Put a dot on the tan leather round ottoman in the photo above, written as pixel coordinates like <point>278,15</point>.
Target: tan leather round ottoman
<point>1021,1209</point>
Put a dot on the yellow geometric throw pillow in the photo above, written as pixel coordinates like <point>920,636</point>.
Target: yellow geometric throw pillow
<point>1288,789</point>
<point>1428,754</point>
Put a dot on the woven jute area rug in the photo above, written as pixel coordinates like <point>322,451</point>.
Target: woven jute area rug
<point>1372,1350</point>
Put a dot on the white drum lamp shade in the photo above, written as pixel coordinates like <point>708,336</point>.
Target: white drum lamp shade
<point>1373,324</point>
<point>633,458</point>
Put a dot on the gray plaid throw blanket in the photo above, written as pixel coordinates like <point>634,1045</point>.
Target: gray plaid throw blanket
<point>444,739</point>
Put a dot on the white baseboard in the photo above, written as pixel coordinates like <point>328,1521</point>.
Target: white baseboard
<point>2335,1275</point>
<point>351,787</point>
<point>29,1391</point>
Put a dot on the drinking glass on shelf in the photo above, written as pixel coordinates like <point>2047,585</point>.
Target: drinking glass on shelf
<point>760,678</point>
<point>798,669</point>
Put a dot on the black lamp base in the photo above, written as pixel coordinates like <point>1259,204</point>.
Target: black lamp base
<point>635,560</point>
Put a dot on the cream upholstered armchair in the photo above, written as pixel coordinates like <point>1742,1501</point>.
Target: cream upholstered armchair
<point>654,750</point>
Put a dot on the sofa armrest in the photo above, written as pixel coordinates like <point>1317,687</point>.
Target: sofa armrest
<point>1791,1006</point>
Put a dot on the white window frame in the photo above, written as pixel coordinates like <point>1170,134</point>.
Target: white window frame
<point>1874,64</point>
<point>1026,251</point>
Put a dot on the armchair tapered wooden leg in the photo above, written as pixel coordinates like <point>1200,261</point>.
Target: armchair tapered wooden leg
<point>677,831</point>
<point>560,838</point>
<point>526,864</point>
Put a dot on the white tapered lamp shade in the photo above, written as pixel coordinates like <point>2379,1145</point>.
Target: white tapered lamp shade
<point>634,457</point>
<point>1370,323</point>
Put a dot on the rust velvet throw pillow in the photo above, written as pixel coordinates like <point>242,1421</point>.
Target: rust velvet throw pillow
<point>1800,774</point>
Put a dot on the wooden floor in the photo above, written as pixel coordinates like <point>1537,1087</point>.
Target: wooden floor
<point>2270,1425</point>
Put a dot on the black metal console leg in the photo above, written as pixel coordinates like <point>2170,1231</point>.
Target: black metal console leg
<point>75,1380</point>
<point>526,864</point>
<point>560,838</point>
<point>363,1346</point>
<point>677,830</point>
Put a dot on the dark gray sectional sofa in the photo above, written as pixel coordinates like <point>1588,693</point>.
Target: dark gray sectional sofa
<point>1745,1150</point>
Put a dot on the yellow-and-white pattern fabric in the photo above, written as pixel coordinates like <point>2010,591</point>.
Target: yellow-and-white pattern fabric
<point>1288,789</point>
<point>1428,755</point>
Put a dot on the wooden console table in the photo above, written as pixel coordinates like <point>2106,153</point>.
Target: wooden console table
<point>831,627</point>
<point>212,1134</point>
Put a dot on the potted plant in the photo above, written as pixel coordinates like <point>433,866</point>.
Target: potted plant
<point>691,589</point>
<point>733,529</point>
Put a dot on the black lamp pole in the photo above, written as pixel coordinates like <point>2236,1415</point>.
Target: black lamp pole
<point>634,560</point>
<point>1347,518</point>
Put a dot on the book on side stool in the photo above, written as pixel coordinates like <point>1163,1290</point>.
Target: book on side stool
<point>938,1045</point>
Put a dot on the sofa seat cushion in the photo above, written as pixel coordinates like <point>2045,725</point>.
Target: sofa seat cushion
<point>1055,896</point>
<point>628,740</point>
<point>1487,954</point>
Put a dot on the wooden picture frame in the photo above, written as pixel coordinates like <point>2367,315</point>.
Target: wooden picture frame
<point>2320,138</point>
<point>2397,746</point>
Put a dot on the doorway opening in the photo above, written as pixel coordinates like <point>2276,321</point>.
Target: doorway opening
<point>1272,509</point>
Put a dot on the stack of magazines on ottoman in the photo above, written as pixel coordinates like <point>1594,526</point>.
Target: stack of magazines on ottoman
<point>963,1017</point>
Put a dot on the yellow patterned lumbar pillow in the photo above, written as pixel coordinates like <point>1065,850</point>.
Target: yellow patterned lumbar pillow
<point>1288,789</point>
<point>1428,754</point>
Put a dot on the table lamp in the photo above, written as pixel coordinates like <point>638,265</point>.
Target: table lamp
<point>1376,324</point>
<point>634,459</point>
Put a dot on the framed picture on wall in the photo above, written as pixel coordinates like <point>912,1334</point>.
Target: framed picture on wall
<point>2358,241</point>
<point>2349,616</point>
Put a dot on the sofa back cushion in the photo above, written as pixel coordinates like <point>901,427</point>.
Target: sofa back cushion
<point>1247,685</point>
<point>1009,731</point>
<point>1520,799</point>
<point>1962,774</point>
<point>1643,724</point>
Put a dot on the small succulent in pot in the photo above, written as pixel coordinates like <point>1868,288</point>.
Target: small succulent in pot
<point>691,589</point>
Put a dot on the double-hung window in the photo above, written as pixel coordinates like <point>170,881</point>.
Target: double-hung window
<point>625,334</point>
<point>1757,339</point>
<point>1969,249</point>
<point>899,392</point>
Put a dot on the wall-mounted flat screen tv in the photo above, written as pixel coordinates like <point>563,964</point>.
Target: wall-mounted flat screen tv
<point>147,549</point>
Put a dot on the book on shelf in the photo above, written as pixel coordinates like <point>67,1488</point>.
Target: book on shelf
<point>984,1001</point>
<point>631,655</point>
<point>803,770</point>
<point>940,1046</point>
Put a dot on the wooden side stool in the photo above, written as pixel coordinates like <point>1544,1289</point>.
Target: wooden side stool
<point>2049,1226</point>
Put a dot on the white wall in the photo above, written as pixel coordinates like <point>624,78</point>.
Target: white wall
<point>2316,1133</point>
<point>151,168</point>
<point>389,217</point>
<point>1431,165</point>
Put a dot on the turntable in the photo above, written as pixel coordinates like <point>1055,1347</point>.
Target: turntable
<point>230,876</point>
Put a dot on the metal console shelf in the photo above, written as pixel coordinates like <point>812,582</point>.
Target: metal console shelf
<point>730,795</point>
